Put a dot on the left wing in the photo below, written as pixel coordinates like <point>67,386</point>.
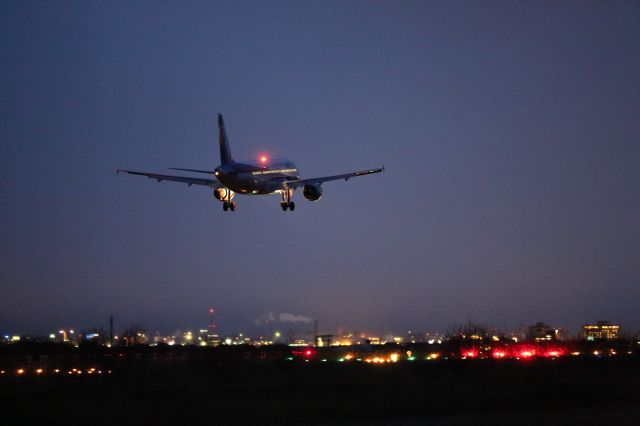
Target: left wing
<point>212,183</point>
<point>302,182</point>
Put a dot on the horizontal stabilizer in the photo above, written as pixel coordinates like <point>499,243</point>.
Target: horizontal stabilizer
<point>192,170</point>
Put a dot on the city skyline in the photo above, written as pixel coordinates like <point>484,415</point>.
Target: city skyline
<point>301,325</point>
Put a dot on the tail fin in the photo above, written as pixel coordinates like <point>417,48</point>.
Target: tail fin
<point>225,153</point>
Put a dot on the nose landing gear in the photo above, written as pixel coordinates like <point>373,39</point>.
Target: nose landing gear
<point>229,206</point>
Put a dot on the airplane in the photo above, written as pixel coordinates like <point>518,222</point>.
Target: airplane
<point>265,177</point>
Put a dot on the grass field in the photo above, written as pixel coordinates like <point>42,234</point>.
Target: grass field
<point>453,392</point>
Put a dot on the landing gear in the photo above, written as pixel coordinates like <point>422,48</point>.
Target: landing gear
<point>286,202</point>
<point>229,205</point>
<point>225,206</point>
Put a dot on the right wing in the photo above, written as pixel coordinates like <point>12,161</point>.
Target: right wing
<point>302,182</point>
<point>212,183</point>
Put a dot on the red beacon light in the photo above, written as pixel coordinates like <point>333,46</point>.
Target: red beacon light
<point>263,159</point>
<point>307,353</point>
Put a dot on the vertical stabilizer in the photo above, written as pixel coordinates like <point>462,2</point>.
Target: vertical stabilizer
<point>225,153</point>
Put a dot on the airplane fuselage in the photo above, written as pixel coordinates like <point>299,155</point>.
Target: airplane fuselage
<point>256,179</point>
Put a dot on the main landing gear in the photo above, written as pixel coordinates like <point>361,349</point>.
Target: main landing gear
<point>229,205</point>
<point>286,202</point>
<point>290,205</point>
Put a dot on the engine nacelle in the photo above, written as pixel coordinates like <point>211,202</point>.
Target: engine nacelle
<point>224,194</point>
<point>312,192</point>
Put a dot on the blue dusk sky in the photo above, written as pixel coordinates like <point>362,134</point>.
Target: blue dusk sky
<point>510,133</point>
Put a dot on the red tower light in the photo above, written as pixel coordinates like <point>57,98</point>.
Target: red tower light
<point>212,320</point>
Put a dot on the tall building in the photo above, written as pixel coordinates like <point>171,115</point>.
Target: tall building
<point>601,330</point>
<point>540,331</point>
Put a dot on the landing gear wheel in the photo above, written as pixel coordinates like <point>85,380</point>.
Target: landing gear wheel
<point>292,206</point>
<point>225,206</point>
<point>284,206</point>
<point>232,206</point>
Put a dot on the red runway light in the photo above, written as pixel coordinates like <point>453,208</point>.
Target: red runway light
<point>470,353</point>
<point>527,353</point>
<point>554,353</point>
<point>499,354</point>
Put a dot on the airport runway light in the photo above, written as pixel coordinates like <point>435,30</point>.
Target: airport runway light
<point>527,353</point>
<point>39,371</point>
<point>469,353</point>
<point>499,354</point>
<point>20,371</point>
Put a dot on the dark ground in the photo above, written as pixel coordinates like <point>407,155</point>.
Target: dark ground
<point>452,392</point>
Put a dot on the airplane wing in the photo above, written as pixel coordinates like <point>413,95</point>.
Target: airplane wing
<point>302,182</point>
<point>212,183</point>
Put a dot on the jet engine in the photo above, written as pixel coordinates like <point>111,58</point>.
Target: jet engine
<point>312,192</point>
<point>223,194</point>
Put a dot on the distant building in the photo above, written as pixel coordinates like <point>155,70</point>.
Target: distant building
<point>541,332</point>
<point>324,340</point>
<point>601,330</point>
